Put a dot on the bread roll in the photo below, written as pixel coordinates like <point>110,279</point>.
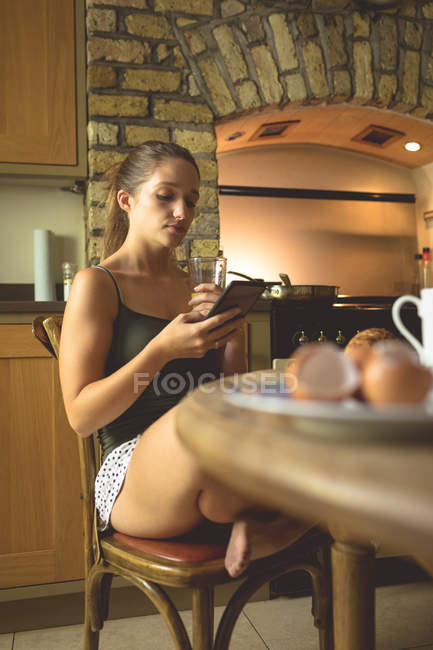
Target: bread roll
<point>368,337</point>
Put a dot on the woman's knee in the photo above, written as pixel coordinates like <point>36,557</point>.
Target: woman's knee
<point>219,504</point>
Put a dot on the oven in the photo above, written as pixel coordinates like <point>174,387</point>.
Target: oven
<point>293,323</point>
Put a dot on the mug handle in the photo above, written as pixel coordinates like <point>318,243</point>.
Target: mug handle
<point>399,323</point>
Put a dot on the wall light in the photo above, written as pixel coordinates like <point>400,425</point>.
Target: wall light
<point>412,146</point>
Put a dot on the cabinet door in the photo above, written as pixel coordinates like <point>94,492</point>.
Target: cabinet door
<point>37,82</point>
<point>41,536</point>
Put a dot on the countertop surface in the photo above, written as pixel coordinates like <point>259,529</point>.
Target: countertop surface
<point>31,306</point>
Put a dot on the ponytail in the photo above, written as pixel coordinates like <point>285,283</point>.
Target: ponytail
<point>117,222</point>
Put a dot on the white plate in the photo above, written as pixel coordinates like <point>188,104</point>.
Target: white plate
<point>349,418</point>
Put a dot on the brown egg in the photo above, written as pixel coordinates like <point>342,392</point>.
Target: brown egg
<point>358,354</point>
<point>359,347</point>
<point>320,371</point>
<point>392,374</point>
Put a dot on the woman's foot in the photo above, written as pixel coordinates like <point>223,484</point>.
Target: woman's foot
<point>251,539</point>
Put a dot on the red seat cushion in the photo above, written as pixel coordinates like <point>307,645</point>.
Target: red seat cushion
<point>207,542</point>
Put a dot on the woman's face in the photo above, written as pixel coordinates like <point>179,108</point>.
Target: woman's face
<point>163,207</point>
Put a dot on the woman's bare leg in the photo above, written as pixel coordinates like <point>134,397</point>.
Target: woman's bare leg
<point>166,494</point>
<point>254,538</point>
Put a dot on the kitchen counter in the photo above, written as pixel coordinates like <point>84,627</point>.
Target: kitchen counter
<point>8,306</point>
<point>26,306</point>
<point>17,303</point>
<point>23,311</point>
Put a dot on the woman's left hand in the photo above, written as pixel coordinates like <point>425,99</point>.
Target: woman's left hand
<point>206,295</point>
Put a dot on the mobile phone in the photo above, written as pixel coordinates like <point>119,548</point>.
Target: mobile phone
<point>240,294</point>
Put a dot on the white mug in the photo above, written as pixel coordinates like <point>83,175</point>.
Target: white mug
<point>424,306</point>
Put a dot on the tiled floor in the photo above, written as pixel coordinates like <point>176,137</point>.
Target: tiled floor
<point>404,622</point>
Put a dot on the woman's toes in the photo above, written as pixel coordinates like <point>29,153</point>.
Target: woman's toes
<point>238,549</point>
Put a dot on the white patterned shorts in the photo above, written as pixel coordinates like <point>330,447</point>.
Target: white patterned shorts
<point>110,479</point>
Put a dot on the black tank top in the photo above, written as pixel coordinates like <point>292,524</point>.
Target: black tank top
<point>132,331</point>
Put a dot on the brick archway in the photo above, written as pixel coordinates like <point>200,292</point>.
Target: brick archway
<point>170,70</point>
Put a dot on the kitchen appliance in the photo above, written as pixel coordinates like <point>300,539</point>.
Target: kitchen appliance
<point>285,290</point>
<point>293,323</point>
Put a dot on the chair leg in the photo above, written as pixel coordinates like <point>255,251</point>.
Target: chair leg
<point>91,635</point>
<point>94,599</point>
<point>326,638</point>
<point>165,607</point>
<point>235,605</point>
<point>105,594</point>
<point>321,597</point>
<point>202,618</point>
<point>323,612</point>
<point>91,639</point>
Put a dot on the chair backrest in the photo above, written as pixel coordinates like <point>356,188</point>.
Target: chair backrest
<point>40,332</point>
<point>47,329</point>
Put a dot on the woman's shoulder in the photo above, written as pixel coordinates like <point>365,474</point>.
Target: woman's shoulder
<point>92,278</point>
<point>93,288</point>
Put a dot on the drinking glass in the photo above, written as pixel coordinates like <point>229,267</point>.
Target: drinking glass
<point>207,269</point>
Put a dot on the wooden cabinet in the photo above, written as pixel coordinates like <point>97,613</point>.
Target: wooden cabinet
<point>41,77</point>
<point>41,527</point>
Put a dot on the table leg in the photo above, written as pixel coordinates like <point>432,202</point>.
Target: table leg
<point>353,586</point>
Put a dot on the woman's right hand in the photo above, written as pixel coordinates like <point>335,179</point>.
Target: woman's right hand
<point>191,335</point>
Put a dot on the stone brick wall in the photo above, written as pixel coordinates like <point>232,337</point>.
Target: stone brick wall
<point>168,69</point>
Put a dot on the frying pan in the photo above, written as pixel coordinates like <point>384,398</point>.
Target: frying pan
<point>285,290</point>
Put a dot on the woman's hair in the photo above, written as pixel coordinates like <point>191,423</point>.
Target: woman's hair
<point>128,175</point>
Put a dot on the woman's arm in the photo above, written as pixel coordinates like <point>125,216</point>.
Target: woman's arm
<point>235,353</point>
<point>92,399</point>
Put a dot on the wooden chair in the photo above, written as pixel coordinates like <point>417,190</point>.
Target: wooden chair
<point>195,560</point>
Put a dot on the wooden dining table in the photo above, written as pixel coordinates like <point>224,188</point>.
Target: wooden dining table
<point>369,482</point>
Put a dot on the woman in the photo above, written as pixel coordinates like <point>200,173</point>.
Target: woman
<point>133,342</point>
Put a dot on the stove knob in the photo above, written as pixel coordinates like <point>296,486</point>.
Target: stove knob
<point>321,338</point>
<point>300,338</point>
<point>340,339</point>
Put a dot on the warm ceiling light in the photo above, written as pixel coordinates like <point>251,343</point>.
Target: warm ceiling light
<point>412,146</point>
